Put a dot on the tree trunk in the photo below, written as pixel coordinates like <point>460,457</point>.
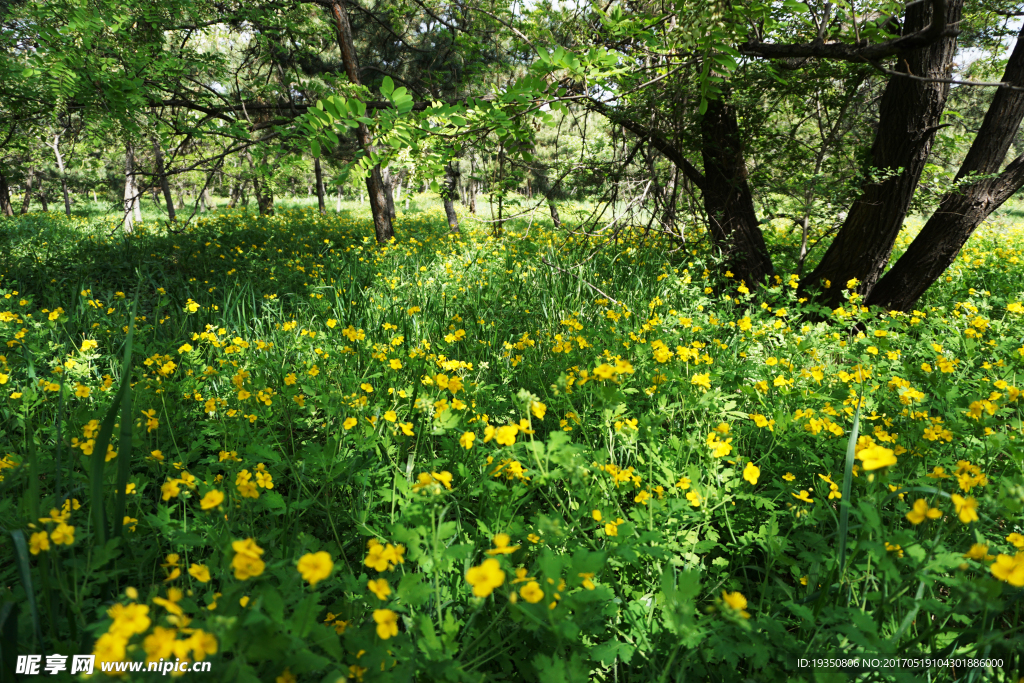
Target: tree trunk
<point>319,186</point>
<point>909,116</point>
<point>63,178</point>
<point>42,197</point>
<point>448,197</point>
<point>264,196</point>
<point>385,175</point>
<point>129,189</point>
<point>727,198</point>
<point>337,202</point>
<point>161,173</point>
<point>28,191</point>
<point>382,225</point>
<point>554,213</point>
<point>5,196</point>
<point>963,208</point>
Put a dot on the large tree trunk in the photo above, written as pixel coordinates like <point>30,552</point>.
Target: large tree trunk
<point>5,196</point>
<point>319,185</point>
<point>28,191</point>
<point>382,225</point>
<point>962,209</point>
<point>909,116</point>
<point>448,197</point>
<point>161,173</point>
<point>727,198</point>
<point>55,146</point>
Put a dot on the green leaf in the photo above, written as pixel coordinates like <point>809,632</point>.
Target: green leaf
<point>388,87</point>
<point>124,455</point>
<point>25,574</point>
<point>314,146</point>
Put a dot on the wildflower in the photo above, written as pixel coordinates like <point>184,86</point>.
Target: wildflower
<point>789,476</point>
<point>532,592</point>
<point>703,380</point>
<point>897,549</point>
<point>170,489</point>
<point>506,436</point>
<point>290,379</point>
<point>485,577</point>
<point>979,551</point>
<point>694,498</point>
<point>152,422</point>
<point>966,508</point>
<point>1009,569</point>
<point>63,534</point>
<point>751,472</point>
<point>876,457</point>
<point>466,440</point>
<point>211,500</point>
<point>247,562</point>
<point>501,546</point>
<point>804,496</point>
<point>387,623</point>
<point>129,522</point>
<point>128,620</point>
<point>407,428</point>
<point>38,542</point>
<point>1016,539</point>
<point>315,567</point>
<point>350,422</point>
<point>538,409</point>
<point>200,572</point>
<point>921,512</point>
<point>736,602</point>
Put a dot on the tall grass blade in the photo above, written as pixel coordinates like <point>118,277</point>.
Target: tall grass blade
<point>844,503</point>
<point>124,454</point>
<point>25,573</point>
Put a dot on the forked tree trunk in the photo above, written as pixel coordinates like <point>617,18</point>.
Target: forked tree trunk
<point>161,173</point>
<point>319,185</point>
<point>28,191</point>
<point>382,225</point>
<point>5,196</point>
<point>727,198</point>
<point>909,116</point>
<point>962,209</point>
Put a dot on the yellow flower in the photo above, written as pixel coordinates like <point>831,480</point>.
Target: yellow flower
<point>185,348</point>
<point>349,422</point>
<point>485,577</point>
<point>804,496</point>
<point>200,572</point>
<point>286,677</point>
<point>703,380</point>
<point>211,500</point>
<point>110,647</point>
<point>38,542</point>
<point>966,508</point>
<point>751,472</point>
<point>532,592</point>
<point>129,620</point>
<point>596,514</point>
<point>1016,539</point>
<point>501,546</point>
<point>290,379</point>
<point>170,489</point>
<point>979,551</point>
<point>921,512</point>
<point>466,440</point>
<point>506,436</point>
<point>538,409</point>
<point>315,567</point>
<point>407,428</point>
<point>247,562</point>
<point>395,364</point>
<point>88,345</point>
<point>875,457</point>
<point>380,588</point>
<point>789,476</point>
<point>737,603</point>
<point>81,391</point>
<point>314,371</point>
<point>1009,569</point>
<point>63,534</point>
<point>694,498</point>
<point>387,623</point>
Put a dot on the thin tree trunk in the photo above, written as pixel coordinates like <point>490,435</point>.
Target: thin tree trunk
<point>5,196</point>
<point>55,146</point>
<point>727,198</point>
<point>161,173</point>
<point>129,189</point>
<point>963,208</point>
<point>398,188</point>
<point>382,225</point>
<point>554,213</point>
<point>448,197</point>
<point>319,185</point>
<point>385,175</point>
<point>909,116</point>
<point>28,191</point>
<point>42,197</point>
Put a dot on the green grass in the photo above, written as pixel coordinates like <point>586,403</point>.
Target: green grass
<point>645,480</point>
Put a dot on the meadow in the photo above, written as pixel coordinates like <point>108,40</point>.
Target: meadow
<point>271,444</point>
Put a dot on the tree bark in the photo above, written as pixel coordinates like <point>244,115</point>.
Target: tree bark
<point>382,225</point>
<point>5,196</point>
<point>389,194</point>
<point>28,191</point>
<point>129,189</point>
<point>161,173</point>
<point>909,116</point>
<point>319,186</point>
<point>727,197</point>
<point>963,209</point>
<point>448,197</point>
<point>55,146</point>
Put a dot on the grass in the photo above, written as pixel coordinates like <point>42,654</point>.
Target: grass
<point>445,459</point>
